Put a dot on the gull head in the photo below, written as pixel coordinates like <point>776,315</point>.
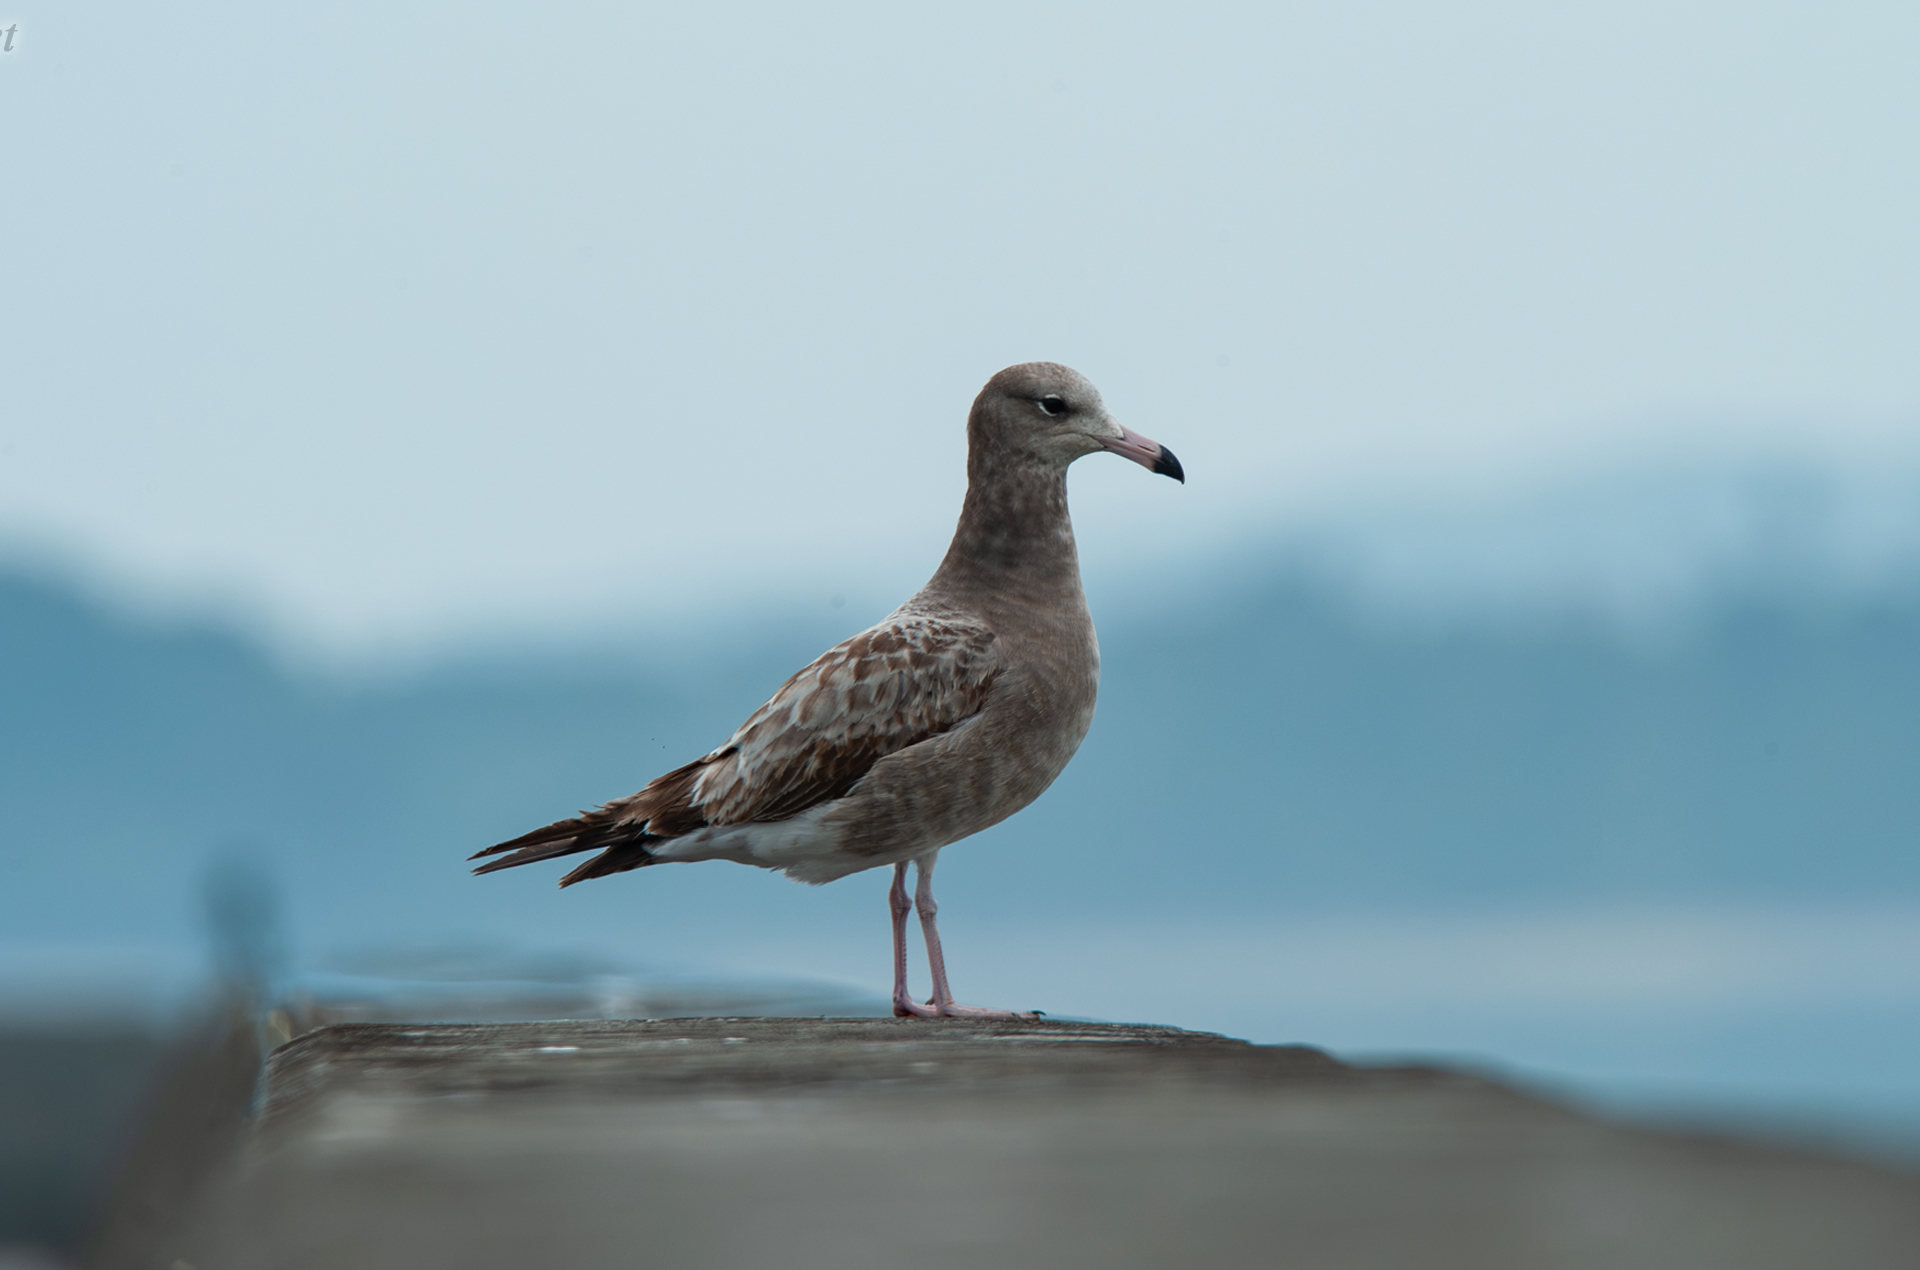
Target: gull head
<point>1047,412</point>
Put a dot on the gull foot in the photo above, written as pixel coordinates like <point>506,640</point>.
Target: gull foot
<point>909,1009</point>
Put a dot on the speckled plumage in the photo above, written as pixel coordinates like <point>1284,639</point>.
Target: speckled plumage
<point>954,712</point>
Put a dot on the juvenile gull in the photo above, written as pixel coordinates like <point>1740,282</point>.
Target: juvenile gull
<point>954,712</point>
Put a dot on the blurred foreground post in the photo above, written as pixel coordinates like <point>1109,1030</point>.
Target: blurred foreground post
<point>195,1127</point>
<point>205,1094</point>
<point>948,1143</point>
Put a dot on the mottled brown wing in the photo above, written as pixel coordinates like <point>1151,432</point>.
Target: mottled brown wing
<point>907,679</point>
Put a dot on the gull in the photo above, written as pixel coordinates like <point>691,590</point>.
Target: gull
<point>952,713</point>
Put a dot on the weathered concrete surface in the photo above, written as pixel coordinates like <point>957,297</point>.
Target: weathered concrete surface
<point>869,1143</point>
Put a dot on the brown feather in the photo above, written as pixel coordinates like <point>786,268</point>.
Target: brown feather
<point>856,704</point>
<point>912,677</point>
<point>661,810</point>
<point>615,859</point>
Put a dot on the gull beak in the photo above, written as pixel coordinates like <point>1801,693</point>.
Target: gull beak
<point>1145,451</point>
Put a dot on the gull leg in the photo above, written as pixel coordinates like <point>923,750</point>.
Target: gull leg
<point>904,1006</point>
<point>942,1003</point>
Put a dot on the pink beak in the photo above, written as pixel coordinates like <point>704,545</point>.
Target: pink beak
<point>1147,452</point>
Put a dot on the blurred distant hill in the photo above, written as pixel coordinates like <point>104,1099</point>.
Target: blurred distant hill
<point>1277,745</point>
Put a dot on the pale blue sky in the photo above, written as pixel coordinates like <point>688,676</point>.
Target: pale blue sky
<point>392,325</point>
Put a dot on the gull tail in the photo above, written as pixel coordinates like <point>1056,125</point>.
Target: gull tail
<point>588,832</point>
<point>621,831</point>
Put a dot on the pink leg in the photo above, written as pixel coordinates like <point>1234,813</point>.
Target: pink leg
<point>904,1005</point>
<point>942,1003</point>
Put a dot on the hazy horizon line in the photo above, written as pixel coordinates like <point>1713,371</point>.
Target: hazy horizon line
<point>1645,550</point>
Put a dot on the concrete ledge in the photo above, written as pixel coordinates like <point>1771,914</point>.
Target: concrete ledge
<point>851,1143</point>
<point>848,1057</point>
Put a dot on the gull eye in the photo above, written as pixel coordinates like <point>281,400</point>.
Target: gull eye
<point>1053,404</point>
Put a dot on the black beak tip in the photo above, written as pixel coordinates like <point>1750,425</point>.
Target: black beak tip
<point>1167,465</point>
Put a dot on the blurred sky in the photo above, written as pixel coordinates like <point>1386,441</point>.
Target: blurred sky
<point>387,325</point>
